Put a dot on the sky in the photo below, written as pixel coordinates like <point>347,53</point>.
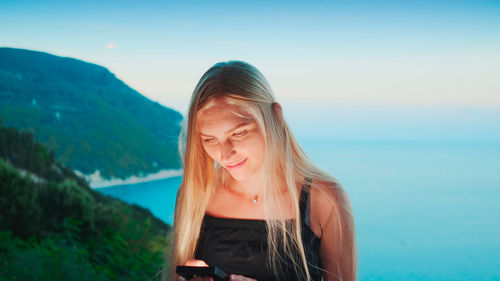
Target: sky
<point>341,69</point>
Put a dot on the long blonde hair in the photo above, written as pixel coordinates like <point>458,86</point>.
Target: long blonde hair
<point>241,84</point>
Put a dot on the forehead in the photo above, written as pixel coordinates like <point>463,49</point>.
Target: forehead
<point>219,117</point>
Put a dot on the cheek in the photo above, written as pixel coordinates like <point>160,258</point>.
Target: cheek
<point>213,152</point>
<point>256,148</point>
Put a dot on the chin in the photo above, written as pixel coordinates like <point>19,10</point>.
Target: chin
<point>238,176</point>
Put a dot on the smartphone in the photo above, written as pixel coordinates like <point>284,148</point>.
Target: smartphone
<point>190,272</point>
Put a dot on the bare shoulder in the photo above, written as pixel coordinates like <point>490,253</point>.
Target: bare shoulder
<point>327,193</point>
<point>327,198</point>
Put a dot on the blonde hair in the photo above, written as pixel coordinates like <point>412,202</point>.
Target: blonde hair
<point>239,83</point>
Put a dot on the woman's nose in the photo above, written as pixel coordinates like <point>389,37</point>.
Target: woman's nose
<point>226,150</point>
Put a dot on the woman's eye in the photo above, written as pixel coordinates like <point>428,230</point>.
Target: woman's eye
<point>239,134</point>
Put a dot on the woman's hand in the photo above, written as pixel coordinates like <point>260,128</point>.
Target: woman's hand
<point>203,263</point>
<point>240,278</point>
<point>196,279</point>
<point>196,263</point>
<point>231,277</point>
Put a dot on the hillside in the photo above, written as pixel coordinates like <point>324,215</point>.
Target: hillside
<point>88,117</point>
<point>55,227</point>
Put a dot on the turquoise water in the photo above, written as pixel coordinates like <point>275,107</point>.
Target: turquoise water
<point>158,196</point>
<point>423,210</point>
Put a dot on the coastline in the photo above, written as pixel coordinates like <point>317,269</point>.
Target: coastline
<point>96,181</point>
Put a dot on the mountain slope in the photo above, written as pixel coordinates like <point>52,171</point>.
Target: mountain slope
<point>53,226</point>
<point>92,120</point>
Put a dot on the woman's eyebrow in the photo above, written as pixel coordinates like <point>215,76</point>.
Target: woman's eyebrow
<point>234,128</point>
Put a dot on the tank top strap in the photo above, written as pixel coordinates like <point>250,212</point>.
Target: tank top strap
<point>305,203</point>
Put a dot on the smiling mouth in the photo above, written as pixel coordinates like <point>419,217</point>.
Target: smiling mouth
<point>237,164</point>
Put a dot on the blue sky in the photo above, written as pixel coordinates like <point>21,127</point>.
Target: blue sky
<point>371,64</point>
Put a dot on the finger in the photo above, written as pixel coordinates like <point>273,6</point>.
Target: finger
<point>195,263</point>
<point>236,277</point>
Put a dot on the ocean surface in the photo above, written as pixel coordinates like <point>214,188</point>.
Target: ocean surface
<point>423,210</point>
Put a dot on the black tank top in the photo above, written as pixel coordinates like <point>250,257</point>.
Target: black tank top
<point>239,246</point>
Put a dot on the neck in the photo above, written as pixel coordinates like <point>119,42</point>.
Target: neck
<point>251,188</point>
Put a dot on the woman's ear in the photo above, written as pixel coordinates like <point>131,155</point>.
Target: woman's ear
<point>278,111</point>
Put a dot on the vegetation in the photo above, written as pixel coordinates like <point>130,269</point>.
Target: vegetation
<point>24,152</point>
<point>54,227</point>
<point>91,119</point>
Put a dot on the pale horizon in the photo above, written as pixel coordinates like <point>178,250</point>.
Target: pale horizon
<point>426,63</point>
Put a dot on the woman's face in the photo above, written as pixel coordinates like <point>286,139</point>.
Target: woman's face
<point>236,143</point>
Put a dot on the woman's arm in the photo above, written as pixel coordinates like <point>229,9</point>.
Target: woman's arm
<point>331,209</point>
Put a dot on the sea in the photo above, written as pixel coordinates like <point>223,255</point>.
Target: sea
<point>423,210</point>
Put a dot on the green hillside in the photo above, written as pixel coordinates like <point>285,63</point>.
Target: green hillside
<point>53,226</point>
<point>92,120</point>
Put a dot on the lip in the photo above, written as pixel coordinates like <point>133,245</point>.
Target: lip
<point>237,165</point>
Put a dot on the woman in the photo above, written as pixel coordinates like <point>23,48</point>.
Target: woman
<point>251,202</point>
